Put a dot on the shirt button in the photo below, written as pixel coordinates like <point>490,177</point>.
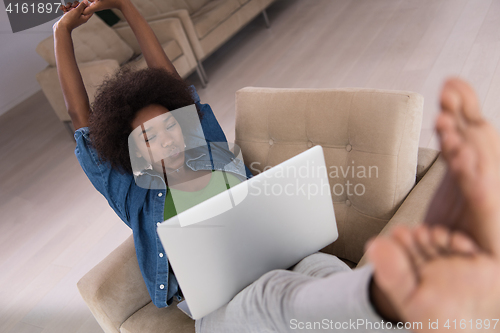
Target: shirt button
<point>161,255</point>
<point>157,224</point>
<point>162,286</point>
<point>160,194</point>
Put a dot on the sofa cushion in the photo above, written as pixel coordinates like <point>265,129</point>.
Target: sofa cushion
<point>370,141</point>
<point>195,5</point>
<point>152,319</point>
<point>212,14</point>
<point>171,48</point>
<point>150,8</point>
<point>94,40</point>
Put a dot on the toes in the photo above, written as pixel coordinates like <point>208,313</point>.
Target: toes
<point>432,241</point>
<point>471,109</point>
<point>462,245</point>
<point>440,238</point>
<point>437,241</point>
<point>424,242</point>
<point>404,237</point>
<point>450,139</point>
<point>450,100</point>
<point>445,123</point>
<point>392,267</point>
<point>458,98</point>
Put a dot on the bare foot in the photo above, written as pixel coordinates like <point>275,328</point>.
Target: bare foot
<point>469,196</point>
<point>433,275</point>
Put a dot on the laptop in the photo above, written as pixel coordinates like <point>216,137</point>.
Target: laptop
<point>272,221</point>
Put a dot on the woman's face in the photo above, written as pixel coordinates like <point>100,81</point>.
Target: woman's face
<point>158,137</point>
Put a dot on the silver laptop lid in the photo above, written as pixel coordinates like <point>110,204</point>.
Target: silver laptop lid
<point>271,221</point>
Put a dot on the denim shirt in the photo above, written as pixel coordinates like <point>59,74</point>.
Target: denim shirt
<point>142,209</point>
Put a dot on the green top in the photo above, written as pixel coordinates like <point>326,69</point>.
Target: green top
<point>185,200</point>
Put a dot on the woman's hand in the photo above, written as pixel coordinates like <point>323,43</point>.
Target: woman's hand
<point>97,5</point>
<point>73,16</point>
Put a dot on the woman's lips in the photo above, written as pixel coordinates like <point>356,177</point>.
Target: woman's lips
<point>174,153</point>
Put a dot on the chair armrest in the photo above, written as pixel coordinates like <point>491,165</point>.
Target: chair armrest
<point>165,29</point>
<point>426,157</point>
<point>413,210</point>
<point>187,24</point>
<point>93,74</point>
<point>114,289</point>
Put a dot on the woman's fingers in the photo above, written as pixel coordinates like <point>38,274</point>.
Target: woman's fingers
<point>86,17</point>
<point>81,7</point>
<point>93,6</point>
<point>72,5</point>
<point>66,8</point>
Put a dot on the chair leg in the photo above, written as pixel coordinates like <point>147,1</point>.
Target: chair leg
<point>266,19</point>
<point>200,76</point>
<point>202,69</point>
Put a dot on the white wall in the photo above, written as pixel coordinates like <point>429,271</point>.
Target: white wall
<point>19,61</point>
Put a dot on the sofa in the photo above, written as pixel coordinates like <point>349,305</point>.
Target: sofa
<point>100,51</point>
<point>355,127</point>
<point>208,23</point>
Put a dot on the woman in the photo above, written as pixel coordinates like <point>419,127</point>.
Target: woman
<point>143,102</point>
<point>325,288</point>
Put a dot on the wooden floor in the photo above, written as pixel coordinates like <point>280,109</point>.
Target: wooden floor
<point>55,226</point>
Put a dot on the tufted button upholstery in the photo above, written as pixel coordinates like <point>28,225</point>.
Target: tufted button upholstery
<point>368,183</point>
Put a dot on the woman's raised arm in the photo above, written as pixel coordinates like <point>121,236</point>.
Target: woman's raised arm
<point>75,95</point>
<point>150,46</point>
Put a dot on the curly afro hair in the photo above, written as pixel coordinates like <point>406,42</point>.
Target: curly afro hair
<point>117,102</point>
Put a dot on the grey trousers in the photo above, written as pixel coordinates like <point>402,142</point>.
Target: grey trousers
<point>319,294</point>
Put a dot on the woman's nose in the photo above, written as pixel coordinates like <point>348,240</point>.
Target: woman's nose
<point>166,140</point>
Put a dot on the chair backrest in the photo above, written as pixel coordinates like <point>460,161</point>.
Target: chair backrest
<point>94,40</point>
<point>150,8</point>
<point>370,140</point>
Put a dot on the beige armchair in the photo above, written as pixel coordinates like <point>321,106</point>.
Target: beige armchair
<point>208,23</point>
<point>100,51</point>
<point>373,128</point>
